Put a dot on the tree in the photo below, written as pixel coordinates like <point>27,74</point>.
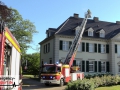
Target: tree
<point>5,13</point>
<point>33,63</point>
<point>21,29</point>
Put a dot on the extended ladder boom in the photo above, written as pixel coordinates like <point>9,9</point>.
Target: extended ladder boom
<point>76,42</point>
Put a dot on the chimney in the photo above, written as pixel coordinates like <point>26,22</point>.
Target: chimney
<point>96,19</point>
<point>76,15</point>
<point>117,22</point>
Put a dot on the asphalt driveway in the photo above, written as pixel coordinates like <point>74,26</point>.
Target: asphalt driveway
<point>31,84</point>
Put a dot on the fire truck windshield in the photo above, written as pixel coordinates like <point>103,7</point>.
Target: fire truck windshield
<point>49,69</point>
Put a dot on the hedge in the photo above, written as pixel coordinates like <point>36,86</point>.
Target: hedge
<point>92,83</point>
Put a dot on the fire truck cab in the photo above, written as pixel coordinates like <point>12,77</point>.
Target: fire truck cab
<point>58,74</point>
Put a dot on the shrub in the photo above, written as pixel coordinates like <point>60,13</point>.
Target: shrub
<point>93,82</point>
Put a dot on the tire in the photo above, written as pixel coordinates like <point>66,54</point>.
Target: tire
<point>61,82</point>
<point>47,84</point>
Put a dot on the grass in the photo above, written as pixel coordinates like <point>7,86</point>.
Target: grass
<point>117,87</point>
<point>28,76</point>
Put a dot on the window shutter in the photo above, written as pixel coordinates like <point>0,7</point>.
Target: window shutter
<point>87,47</point>
<point>46,48</point>
<point>95,47</point>
<point>99,66</point>
<point>83,66</point>
<point>107,67</point>
<point>83,46</point>
<point>99,48</point>
<point>70,43</point>
<point>115,48</point>
<point>50,61</point>
<point>95,66</point>
<point>61,44</point>
<point>74,63</point>
<point>107,48</point>
<point>87,66</point>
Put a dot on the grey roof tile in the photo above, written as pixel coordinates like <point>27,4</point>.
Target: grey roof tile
<point>111,29</point>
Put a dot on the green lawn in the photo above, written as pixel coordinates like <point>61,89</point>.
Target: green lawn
<point>117,87</point>
<point>28,76</point>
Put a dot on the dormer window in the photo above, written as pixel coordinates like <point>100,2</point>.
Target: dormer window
<point>77,29</point>
<point>48,34</point>
<point>90,32</point>
<point>102,33</point>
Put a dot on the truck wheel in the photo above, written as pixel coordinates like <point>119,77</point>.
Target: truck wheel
<point>61,82</point>
<point>47,84</point>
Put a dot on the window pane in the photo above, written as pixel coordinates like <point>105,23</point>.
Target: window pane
<point>103,66</point>
<point>80,47</point>
<point>91,66</point>
<point>91,47</point>
<point>102,48</point>
<point>65,45</point>
<point>90,33</point>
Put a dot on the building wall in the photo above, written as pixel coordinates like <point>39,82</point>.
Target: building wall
<point>56,54</point>
<point>56,49</point>
<point>46,57</point>
<point>117,59</point>
<point>86,55</point>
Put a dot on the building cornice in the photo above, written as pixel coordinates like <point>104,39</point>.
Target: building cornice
<point>84,38</point>
<point>46,39</point>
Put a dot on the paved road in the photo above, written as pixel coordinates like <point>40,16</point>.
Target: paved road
<point>30,84</point>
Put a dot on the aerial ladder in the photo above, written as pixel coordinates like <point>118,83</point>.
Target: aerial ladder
<point>77,40</point>
<point>61,73</point>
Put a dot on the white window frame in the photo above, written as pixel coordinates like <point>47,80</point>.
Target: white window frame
<point>118,51</point>
<point>80,47</point>
<point>103,48</point>
<point>65,45</point>
<point>91,63</point>
<point>76,32</point>
<point>91,47</point>
<point>90,33</point>
<point>77,29</point>
<point>102,33</point>
<point>103,66</point>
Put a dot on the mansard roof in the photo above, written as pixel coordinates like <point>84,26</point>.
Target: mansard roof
<point>68,27</point>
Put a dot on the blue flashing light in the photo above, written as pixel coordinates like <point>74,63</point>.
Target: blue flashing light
<point>43,76</point>
<point>57,62</point>
<point>51,77</point>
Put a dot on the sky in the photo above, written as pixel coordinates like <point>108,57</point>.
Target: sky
<point>51,13</point>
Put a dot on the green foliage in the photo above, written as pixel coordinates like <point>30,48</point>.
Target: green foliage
<point>93,82</point>
<point>33,63</point>
<point>22,30</point>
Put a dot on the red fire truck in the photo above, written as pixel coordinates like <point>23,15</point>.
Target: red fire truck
<point>63,73</point>
<point>10,63</point>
